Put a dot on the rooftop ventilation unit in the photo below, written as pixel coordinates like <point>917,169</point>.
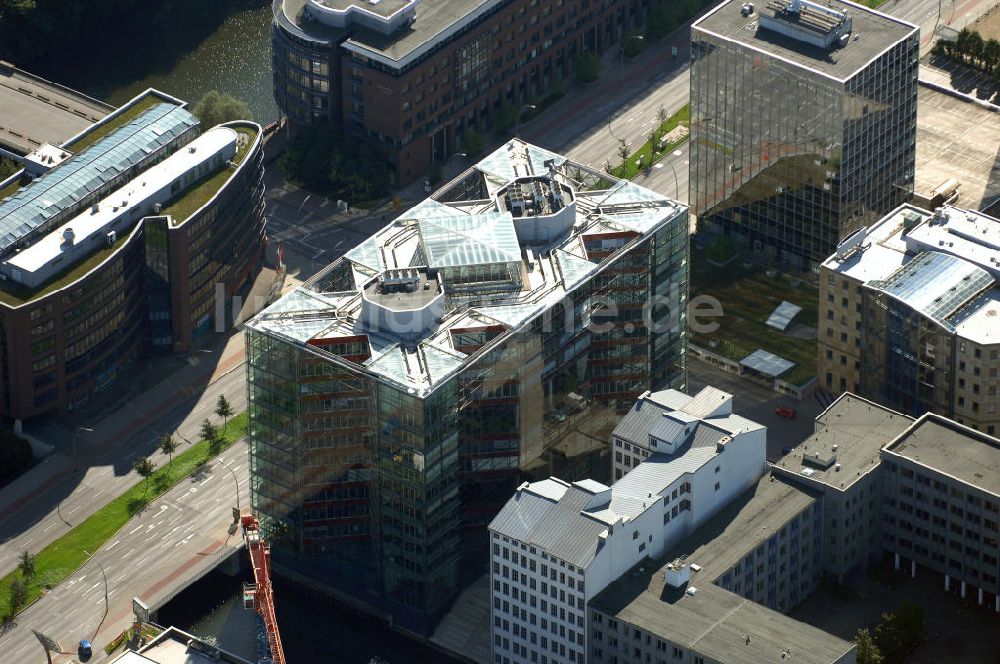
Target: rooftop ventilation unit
<point>808,22</point>
<point>677,574</point>
<point>852,244</point>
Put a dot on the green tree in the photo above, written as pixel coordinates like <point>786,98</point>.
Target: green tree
<point>991,55</point>
<point>867,651</point>
<point>18,596</point>
<point>145,467</point>
<point>216,108</point>
<point>26,563</point>
<point>962,41</point>
<point>899,632</point>
<point>209,431</point>
<point>623,151</point>
<point>475,143</point>
<point>323,160</point>
<point>975,46</point>
<point>632,47</point>
<point>587,67</point>
<point>168,446</point>
<point>504,118</point>
<point>223,409</point>
<point>12,8</point>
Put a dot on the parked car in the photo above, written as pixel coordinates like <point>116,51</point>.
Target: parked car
<point>85,650</point>
<point>785,411</point>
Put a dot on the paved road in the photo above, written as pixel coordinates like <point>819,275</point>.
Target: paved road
<point>106,464</point>
<point>185,532</point>
<point>316,233</point>
<point>654,79</point>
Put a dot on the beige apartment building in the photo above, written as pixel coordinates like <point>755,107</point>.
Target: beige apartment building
<point>910,315</point>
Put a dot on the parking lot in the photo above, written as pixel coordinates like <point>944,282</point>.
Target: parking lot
<point>757,402</point>
<point>963,78</point>
<point>957,139</point>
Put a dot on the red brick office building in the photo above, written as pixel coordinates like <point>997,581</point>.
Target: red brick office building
<point>414,77</point>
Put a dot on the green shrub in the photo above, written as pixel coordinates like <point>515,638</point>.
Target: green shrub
<point>323,159</point>
<point>587,67</point>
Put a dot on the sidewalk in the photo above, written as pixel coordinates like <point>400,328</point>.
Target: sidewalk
<point>29,503</point>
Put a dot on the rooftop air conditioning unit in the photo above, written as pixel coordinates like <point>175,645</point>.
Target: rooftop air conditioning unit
<point>111,237</point>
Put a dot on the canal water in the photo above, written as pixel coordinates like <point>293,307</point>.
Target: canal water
<point>186,49</point>
<point>311,630</point>
<point>183,47</point>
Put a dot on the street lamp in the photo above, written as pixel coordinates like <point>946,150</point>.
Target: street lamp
<point>517,124</point>
<point>105,576</point>
<point>235,479</point>
<point>677,186</point>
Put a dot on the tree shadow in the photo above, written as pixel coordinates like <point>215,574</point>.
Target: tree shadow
<point>200,472</point>
<point>161,482</point>
<point>965,78</point>
<point>136,505</point>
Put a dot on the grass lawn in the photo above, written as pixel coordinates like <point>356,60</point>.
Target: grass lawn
<point>84,142</point>
<point>650,156</point>
<point>748,296</point>
<point>15,294</point>
<point>192,200</point>
<point>10,189</point>
<point>64,556</point>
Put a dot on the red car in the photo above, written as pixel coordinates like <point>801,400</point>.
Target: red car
<point>784,411</point>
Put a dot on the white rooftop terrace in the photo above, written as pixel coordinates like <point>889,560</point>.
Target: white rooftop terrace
<point>968,234</point>
<point>74,240</point>
<point>980,322</point>
<point>476,236</point>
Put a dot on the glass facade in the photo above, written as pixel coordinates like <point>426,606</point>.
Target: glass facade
<point>788,160</point>
<point>385,491</point>
<point>908,356</point>
<point>910,343</point>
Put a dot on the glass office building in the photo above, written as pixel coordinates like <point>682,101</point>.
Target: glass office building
<point>803,123</point>
<point>491,334</point>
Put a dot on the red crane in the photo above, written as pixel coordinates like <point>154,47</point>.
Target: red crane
<point>259,595</point>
